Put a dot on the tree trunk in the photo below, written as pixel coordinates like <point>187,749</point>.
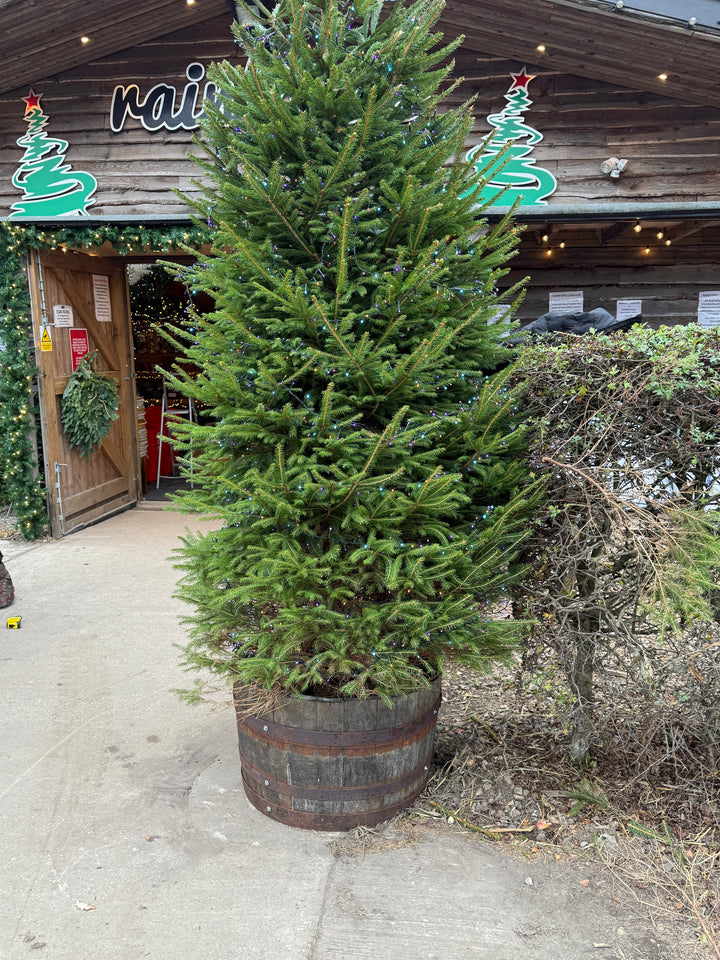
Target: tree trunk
<point>581,683</point>
<point>582,671</point>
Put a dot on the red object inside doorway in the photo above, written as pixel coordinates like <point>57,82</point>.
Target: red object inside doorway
<point>152,420</point>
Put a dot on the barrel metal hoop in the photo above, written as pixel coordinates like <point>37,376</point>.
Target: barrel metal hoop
<point>310,820</point>
<point>269,732</point>
<point>256,778</point>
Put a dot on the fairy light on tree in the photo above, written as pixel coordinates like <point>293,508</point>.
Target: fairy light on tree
<point>361,464</point>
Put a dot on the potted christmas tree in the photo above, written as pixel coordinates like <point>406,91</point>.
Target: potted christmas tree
<point>362,464</point>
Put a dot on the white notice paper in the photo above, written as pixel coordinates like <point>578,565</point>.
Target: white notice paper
<point>627,309</point>
<point>101,293</point>
<point>63,315</point>
<point>709,308</point>
<point>566,301</point>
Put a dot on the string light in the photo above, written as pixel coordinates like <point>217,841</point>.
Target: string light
<point>17,409</point>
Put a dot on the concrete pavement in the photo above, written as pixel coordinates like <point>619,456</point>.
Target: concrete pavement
<point>125,833</point>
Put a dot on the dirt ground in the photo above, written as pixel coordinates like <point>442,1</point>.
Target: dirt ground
<point>7,525</point>
<point>501,774</point>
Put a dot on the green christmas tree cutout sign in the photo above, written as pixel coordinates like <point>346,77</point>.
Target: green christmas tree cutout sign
<point>504,159</point>
<point>50,187</point>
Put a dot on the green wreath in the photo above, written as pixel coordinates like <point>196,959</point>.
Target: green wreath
<point>89,406</point>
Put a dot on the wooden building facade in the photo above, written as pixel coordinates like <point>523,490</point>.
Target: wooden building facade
<point>631,161</point>
<point>670,181</point>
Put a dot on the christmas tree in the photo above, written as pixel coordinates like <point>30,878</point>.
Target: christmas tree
<point>361,463</point>
<point>503,160</point>
<point>49,188</point>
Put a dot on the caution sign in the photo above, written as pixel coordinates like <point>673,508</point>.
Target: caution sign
<point>45,340</point>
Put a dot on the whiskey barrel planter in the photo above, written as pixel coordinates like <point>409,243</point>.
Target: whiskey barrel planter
<point>326,764</point>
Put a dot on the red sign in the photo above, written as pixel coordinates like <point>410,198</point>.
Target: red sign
<point>79,346</point>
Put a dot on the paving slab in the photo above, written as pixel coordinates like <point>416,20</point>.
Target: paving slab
<point>125,833</point>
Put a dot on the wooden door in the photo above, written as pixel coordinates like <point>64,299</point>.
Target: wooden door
<point>81,492</point>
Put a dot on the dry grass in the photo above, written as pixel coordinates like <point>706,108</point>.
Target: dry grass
<point>645,804</point>
<point>7,525</point>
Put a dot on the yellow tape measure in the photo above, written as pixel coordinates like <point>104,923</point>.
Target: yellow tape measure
<point>13,623</point>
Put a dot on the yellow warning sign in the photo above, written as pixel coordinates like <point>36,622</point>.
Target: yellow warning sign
<point>45,340</point>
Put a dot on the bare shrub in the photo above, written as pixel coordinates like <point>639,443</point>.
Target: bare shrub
<point>625,553</point>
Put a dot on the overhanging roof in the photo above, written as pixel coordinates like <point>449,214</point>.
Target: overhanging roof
<point>630,47</point>
<point>41,39</point>
<point>591,38</point>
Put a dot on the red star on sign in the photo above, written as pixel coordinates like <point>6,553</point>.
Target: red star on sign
<point>522,79</point>
<point>32,101</point>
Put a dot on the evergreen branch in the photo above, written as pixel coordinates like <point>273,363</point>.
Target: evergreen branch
<point>342,265</point>
<point>256,178</point>
<point>419,232</point>
<point>325,407</point>
<point>337,168</point>
<point>328,28</point>
<point>279,449</point>
<point>420,356</point>
<point>368,116</point>
<point>343,346</point>
<point>399,219</point>
<point>388,431</point>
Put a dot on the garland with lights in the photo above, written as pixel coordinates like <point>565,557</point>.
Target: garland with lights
<point>123,238</point>
<point>21,485</point>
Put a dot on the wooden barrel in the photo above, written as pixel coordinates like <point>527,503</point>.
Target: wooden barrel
<point>328,764</point>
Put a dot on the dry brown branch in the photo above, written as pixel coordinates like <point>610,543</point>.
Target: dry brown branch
<point>625,548</point>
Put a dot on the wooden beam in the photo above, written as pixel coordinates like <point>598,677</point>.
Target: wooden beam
<point>616,230</point>
<point>629,50</point>
<point>688,229</point>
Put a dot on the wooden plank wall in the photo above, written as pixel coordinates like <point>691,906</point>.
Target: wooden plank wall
<point>672,151</point>
<point>672,148</point>
<point>136,170</point>
<point>668,280</point>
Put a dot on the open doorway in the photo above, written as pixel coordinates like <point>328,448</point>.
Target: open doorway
<point>98,302</point>
<point>157,299</point>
